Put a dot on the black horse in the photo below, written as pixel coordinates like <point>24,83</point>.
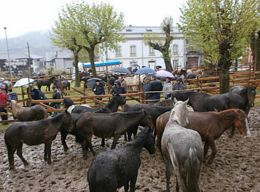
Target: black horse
<point>152,110</point>
<point>238,97</point>
<point>45,82</point>
<point>107,125</point>
<point>111,107</point>
<point>123,165</point>
<point>34,133</point>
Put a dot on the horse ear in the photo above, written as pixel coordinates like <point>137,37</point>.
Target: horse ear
<point>186,102</point>
<point>175,100</point>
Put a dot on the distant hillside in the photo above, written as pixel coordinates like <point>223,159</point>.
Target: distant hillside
<point>39,42</point>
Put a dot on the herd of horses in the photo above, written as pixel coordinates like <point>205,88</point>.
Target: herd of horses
<point>60,83</point>
<point>179,130</point>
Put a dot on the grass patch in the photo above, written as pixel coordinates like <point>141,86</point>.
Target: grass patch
<point>3,127</point>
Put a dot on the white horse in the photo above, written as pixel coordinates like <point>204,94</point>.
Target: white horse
<point>134,82</point>
<point>182,150</point>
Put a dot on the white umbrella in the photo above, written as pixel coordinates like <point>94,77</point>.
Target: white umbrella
<point>163,73</point>
<point>23,81</point>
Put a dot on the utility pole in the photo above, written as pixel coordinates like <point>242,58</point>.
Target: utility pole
<point>8,55</point>
<point>29,60</point>
<point>29,75</point>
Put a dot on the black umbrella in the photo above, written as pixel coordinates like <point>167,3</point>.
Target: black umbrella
<point>91,81</point>
<point>120,70</point>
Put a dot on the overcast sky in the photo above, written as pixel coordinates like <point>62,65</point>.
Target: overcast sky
<point>21,16</point>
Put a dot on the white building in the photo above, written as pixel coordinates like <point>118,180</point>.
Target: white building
<point>134,51</point>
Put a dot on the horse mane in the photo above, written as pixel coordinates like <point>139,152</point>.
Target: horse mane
<point>140,138</point>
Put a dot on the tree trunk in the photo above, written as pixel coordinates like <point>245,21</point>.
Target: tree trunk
<point>224,80</point>
<point>257,52</point>
<point>224,64</point>
<point>76,66</point>
<point>168,64</point>
<point>91,53</point>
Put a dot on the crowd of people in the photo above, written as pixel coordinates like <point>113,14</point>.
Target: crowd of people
<point>117,85</point>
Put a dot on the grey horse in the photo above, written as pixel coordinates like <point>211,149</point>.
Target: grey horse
<point>182,150</point>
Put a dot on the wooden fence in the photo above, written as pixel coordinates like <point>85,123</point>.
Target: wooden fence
<point>203,84</point>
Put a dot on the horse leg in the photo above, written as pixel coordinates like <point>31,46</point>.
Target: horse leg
<point>48,150</point>
<point>20,153</point>
<point>64,134</point>
<point>232,131</point>
<point>116,137</point>
<point>103,142</point>
<point>45,153</point>
<point>206,148</point>
<point>89,144</point>
<point>177,185</point>
<point>11,151</point>
<point>168,173</point>
<point>126,187</point>
<point>133,182</point>
<point>214,150</point>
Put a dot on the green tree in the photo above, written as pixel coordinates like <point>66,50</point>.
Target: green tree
<point>221,29</point>
<point>163,43</point>
<point>87,26</point>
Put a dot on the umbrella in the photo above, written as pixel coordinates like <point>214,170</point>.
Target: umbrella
<point>145,70</point>
<point>163,73</point>
<point>91,81</point>
<point>23,81</point>
<point>121,70</point>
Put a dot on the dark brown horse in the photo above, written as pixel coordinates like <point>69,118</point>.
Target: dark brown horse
<point>36,112</point>
<point>210,125</point>
<point>34,133</point>
<point>46,82</point>
<point>106,125</point>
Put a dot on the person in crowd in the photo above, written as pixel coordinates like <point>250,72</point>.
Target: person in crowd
<point>123,82</point>
<point>167,87</point>
<point>117,89</point>
<point>135,69</point>
<point>179,85</point>
<point>190,74</point>
<point>98,89</point>
<point>56,95</point>
<point>3,102</point>
<point>154,85</point>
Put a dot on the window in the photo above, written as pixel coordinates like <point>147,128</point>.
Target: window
<point>175,63</point>
<point>175,49</point>
<point>151,51</point>
<point>118,52</point>
<point>132,51</point>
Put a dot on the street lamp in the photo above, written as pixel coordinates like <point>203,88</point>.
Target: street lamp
<point>8,55</point>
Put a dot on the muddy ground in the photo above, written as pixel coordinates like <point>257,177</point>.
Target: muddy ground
<point>236,167</point>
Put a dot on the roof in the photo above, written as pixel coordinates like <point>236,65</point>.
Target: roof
<point>103,64</point>
<point>145,29</point>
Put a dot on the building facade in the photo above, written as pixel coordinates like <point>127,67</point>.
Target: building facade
<point>135,52</point>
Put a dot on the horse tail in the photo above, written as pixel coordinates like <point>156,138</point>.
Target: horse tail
<point>191,171</point>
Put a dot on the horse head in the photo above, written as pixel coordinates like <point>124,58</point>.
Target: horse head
<point>240,121</point>
<point>149,138</point>
<point>16,108</point>
<point>251,92</point>
<point>179,112</point>
<point>147,120</point>
<point>67,121</point>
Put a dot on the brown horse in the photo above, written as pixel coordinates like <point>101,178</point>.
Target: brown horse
<point>210,126</point>
<point>36,112</point>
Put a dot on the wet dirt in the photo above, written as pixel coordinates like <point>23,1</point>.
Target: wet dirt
<point>236,167</point>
